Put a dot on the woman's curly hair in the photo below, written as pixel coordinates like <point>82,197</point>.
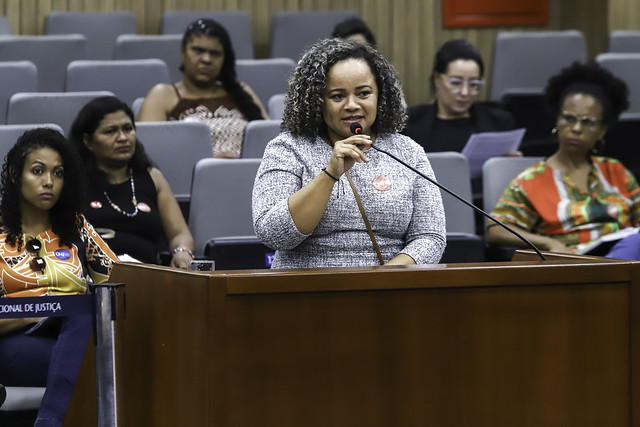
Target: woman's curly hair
<point>592,79</point>
<point>305,94</point>
<point>65,217</point>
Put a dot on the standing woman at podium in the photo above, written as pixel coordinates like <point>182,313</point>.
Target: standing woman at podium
<point>46,248</point>
<point>314,175</point>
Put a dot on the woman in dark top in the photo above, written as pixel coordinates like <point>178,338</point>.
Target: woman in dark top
<point>128,199</point>
<point>456,79</point>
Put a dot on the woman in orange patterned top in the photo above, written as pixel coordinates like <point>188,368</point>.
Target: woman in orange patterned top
<point>46,248</point>
<point>574,196</point>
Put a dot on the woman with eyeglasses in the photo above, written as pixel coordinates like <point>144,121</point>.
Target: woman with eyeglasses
<point>456,80</point>
<point>574,196</point>
<point>209,90</point>
<point>46,248</point>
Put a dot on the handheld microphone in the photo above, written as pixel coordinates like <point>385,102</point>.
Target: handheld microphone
<point>356,128</point>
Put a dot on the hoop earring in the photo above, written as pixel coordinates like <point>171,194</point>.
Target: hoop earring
<point>554,130</point>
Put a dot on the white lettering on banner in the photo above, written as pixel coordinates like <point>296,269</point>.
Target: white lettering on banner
<point>48,306</point>
<point>13,308</point>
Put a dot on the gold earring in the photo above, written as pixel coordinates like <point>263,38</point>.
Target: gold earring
<point>554,130</point>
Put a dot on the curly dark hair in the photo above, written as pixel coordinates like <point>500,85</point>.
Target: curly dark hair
<point>592,79</point>
<point>304,98</point>
<point>65,217</point>
<point>453,50</point>
<point>228,76</point>
<point>86,123</point>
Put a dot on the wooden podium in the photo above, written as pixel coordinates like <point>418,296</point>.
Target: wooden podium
<point>523,343</point>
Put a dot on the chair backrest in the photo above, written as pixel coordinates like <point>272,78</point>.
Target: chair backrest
<point>5,26</point>
<point>136,105</point>
<point>16,76</point>
<point>60,108</point>
<point>100,28</point>
<point>256,136</point>
<point>128,79</point>
<point>626,67</point>
<point>620,142</point>
<point>176,147</point>
<point>266,77</point>
<point>292,31</point>
<point>275,106</point>
<point>165,47</point>
<point>497,173</point>
<point>221,199</point>
<point>526,60</point>
<point>452,170</point>
<point>236,22</point>
<point>50,54</point>
<point>9,134</point>
<point>624,41</point>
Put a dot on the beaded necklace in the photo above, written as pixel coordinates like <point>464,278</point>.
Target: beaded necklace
<point>134,201</point>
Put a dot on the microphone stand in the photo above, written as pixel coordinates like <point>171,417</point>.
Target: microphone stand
<point>477,209</point>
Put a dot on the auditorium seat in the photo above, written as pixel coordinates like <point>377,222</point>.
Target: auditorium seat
<point>9,134</point>
<point>293,30</point>
<point>497,173</point>
<point>50,54</point>
<point>221,199</point>
<point>452,171</point>
<point>16,76</point>
<point>175,147</point>
<point>100,28</point>
<point>526,60</point>
<point>60,108</point>
<point>266,77</point>
<point>5,26</point>
<point>127,79</point>
<point>275,106</point>
<point>626,67</point>
<point>624,41</point>
<point>256,136</point>
<point>236,22</point>
<point>620,142</point>
<point>166,47</point>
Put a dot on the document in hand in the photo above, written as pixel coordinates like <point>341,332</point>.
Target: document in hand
<point>484,145</point>
<point>603,244</point>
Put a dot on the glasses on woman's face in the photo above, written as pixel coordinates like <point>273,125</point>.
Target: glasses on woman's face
<point>585,121</point>
<point>37,263</point>
<point>456,84</point>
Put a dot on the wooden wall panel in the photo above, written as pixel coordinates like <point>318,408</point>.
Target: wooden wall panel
<point>408,31</point>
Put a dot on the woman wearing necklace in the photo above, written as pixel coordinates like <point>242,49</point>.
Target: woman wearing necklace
<point>127,196</point>
<point>46,248</point>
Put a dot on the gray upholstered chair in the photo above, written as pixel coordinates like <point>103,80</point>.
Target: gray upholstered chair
<point>128,79</point>
<point>292,31</point>
<point>60,108</point>
<point>266,77</point>
<point>256,136</point>
<point>50,54</point>
<point>100,28</point>
<point>16,76</point>
<point>165,47</point>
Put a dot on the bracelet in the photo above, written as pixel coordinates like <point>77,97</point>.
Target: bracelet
<point>330,176</point>
<point>181,249</point>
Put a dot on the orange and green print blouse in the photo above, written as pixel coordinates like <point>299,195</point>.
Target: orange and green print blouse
<point>545,201</point>
<point>66,268</point>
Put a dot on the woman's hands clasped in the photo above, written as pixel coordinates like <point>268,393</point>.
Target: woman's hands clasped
<point>347,152</point>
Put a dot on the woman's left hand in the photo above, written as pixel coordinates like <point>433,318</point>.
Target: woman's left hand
<point>181,259</point>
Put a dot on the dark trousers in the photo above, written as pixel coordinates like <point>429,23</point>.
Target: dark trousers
<point>50,356</point>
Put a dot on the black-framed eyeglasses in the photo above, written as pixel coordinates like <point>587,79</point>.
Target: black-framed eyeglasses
<point>586,121</point>
<point>37,263</point>
<point>456,84</point>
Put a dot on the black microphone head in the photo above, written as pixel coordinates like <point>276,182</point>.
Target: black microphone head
<point>356,128</point>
